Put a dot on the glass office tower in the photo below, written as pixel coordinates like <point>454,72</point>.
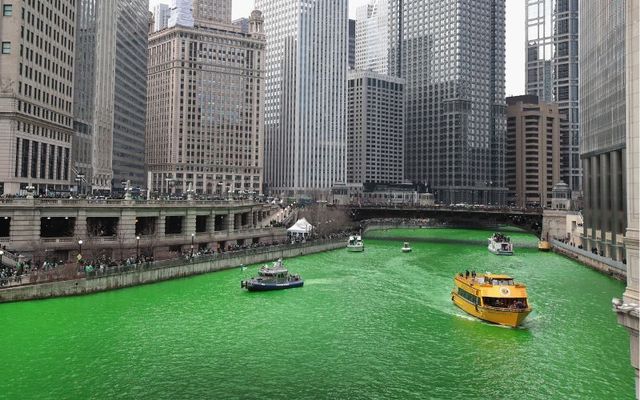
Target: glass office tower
<point>452,57</point>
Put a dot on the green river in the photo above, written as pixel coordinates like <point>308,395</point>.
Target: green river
<point>372,325</point>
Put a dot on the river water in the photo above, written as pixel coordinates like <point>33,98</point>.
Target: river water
<point>372,325</point>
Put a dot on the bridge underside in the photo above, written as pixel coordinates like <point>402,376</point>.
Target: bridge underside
<point>459,218</point>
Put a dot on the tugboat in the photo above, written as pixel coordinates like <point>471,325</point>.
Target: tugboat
<point>355,243</point>
<point>276,277</point>
<point>500,244</point>
<point>406,248</point>
<point>492,298</point>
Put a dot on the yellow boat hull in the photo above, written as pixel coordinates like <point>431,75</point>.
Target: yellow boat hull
<point>543,245</point>
<point>506,318</point>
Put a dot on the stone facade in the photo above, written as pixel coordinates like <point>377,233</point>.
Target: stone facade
<point>205,109</point>
<point>629,310</point>
<point>36,95</point>
<point>40,227</point>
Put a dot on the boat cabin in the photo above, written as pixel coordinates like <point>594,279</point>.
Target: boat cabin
<point>508,302</point>
<point>496,280</point>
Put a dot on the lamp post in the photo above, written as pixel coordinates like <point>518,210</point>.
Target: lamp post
<point>137,249</point>
<point>193,235</point>
<point>1,254</point>
<point>79,249</point>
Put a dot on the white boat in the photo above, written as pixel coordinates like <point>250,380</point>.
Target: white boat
<point>355,243</point>
<point>500,244</point>
<point>406,248</point>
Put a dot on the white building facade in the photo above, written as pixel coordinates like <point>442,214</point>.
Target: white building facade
<point>305,110</point>
<point>372,37</point>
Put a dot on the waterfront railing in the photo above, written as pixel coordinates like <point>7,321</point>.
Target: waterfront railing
<point>73,271</point>
<point>616,265</point>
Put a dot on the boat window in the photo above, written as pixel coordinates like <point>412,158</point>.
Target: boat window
<point>513,303</point>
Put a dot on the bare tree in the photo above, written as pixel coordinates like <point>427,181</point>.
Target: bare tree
<point>326,220</point>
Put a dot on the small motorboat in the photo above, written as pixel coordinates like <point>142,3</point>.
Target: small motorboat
<point>406,248</point>
<point>355,243</point>
<point>500,244</point>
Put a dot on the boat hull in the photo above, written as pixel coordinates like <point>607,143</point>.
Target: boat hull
<point>499,252</point>
<point>406,250</point>
<point>265,286</point>
<point>506,318</point>
<point>355,248</point>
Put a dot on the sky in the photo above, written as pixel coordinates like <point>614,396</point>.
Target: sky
<point>515,28</point>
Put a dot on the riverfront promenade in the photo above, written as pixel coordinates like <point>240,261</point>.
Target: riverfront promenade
<point>123,276</point>
<point>61,229</point>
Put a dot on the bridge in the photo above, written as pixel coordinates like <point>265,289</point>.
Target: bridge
<point>472,216</point>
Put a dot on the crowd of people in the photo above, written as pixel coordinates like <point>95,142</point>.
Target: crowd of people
<point>104,263</point>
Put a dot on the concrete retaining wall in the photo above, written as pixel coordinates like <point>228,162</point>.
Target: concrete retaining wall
<point>608,266</point>
<point>134,278</point>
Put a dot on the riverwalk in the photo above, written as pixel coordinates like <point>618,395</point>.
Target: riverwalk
<point>144,273</point>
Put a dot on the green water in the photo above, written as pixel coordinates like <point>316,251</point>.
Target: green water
<point>372,325</point>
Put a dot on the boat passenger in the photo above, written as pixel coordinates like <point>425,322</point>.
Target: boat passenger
<point>466,274</point>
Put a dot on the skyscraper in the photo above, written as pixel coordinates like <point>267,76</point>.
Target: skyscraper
<point>205,126</point>
<point>352,44</point>
<point>552,71</point>
<point>602,109</point>
<point>160,17</point>
<point>532,153</point>
<point>375,144</point>
<point>452,57</point>
<point>110,95</point>
<point>372,36</point>
<point>306,94</point>
<point>36,95</point>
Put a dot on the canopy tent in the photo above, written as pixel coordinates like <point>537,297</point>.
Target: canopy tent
<point>301,227</point>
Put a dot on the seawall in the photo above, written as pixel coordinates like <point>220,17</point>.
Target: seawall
<point>96,284</point>
<point>605,265</point>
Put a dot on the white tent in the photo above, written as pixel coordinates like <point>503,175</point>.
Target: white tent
<point>301,227</point>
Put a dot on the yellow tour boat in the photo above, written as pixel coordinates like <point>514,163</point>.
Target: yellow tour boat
<point>543,245</point>
<point>490,297</point>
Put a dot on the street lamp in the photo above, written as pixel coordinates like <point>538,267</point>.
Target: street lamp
<point>192,238</point>
<point>1,254</point>
<point>79,249</point>
<point>137,249</point>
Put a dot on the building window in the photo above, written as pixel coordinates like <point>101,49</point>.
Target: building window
<point>7,10</point>
<point>6,47</point>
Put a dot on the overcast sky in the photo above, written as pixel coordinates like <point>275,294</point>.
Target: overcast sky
<point>515,37</point>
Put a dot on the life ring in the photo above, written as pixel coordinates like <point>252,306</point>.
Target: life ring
<point>505,291</point>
